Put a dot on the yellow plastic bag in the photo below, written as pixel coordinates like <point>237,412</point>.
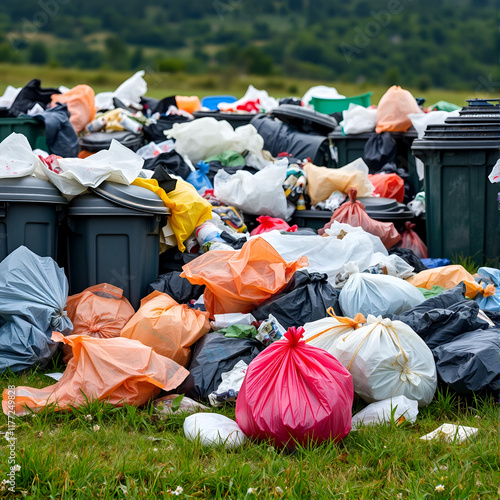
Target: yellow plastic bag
<point>323,181</point>
<point>81,105</point>
<point>166,326</point>
<point>188,209</point>
<point>117,370</point>
<point>393,110</point>
<point>448,277</point>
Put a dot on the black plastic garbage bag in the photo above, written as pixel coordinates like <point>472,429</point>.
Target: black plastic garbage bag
<point>173,259</point>
<point>59,133</point>
<point>30,95</point>
<point>306,298</point>
<point>35,289</point>
<point>213,355</point>
<point>23,345</point>
<point>178,288</point>
<point>380,149</point>
<point>408,255</point>
<point>171,163</point>
<point>471,362</point>
<point>441,319</point>
<point>155,131</point>
<point>215,166</point>
<point>281,138</point>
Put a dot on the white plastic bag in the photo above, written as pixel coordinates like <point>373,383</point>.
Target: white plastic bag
<point>129,92</point>
<point>16,157</point>
<point>324,332</point>
<point>386,359</point>
<point>259,194</point>
<point>321,91</point>
<point>495,173</point>
<point>226,320</point>
<point>213,429</point>
<point>378,294</point>
<point>117,164</point>
<point>9,96</point>
<point>252,94</point>
<point>327,254</point>
<point>358,119</point>
<point>206,137</point>
<point>420,122</point>
<point>380,412</point>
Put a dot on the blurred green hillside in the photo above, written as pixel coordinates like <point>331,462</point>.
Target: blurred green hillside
<point>449,44</point>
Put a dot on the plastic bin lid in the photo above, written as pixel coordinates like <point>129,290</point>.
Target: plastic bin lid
<point>97,141</point>
<point>386,209</point>
<point>131,197</point>
<point>305,119</point>
<point>30,190</point>
<point>453,144</point>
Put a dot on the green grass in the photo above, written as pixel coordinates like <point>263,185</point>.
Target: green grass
<point>165,84</point>
<point>137,454</point>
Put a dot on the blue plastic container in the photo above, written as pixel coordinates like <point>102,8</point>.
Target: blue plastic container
<point>212,101</point>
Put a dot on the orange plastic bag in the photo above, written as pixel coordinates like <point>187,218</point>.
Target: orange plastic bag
<point>410,239</point>
<point>353,212</point>
<point>189,103</point>
<point>393,110</point>
<point>168,327</point>
<point>388,186</point>
<point>116,370</point>
<point>100,311</point>
<point>81,105</point>
<point>239,280</point>
<point>448,277</point>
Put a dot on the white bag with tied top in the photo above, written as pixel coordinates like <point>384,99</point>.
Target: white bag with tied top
<point>386,359</point>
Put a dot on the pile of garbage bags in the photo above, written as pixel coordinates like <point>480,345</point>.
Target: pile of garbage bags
<point>290,323</point>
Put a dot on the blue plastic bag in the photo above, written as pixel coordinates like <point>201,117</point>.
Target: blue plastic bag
<point>23,345</point>
<point>433,263</point>
<point>199,178</point>
<point>35,289</point>
<point>489,276</point>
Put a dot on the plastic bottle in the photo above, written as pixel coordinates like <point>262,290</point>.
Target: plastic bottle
<point>130,125</point>
<point>97,124</point>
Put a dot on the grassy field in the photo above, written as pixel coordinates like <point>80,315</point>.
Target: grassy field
<point>163,84</point>
<point>136,454</point>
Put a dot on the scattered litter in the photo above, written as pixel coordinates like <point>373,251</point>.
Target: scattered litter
<point>451,432</point>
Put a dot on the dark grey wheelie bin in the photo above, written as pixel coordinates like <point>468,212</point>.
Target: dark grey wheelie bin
<point>114,237</point>
<point>462,205</point>
<point>30,212</point>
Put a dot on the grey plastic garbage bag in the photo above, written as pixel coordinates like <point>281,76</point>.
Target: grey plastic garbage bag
<point>23,345</point>
<point>471,362</point>
<point>442,318</point>
<point>213,355</point>
<point>35,289</point>
<point>306,298</point>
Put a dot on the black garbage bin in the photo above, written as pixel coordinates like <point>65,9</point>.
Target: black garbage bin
<point>462,207</point>
<point>114,237</point>
<point>30,212</point>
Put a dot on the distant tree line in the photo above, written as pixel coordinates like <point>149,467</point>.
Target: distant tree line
<point>440,43</point>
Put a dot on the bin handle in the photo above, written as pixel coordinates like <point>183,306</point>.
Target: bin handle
<point>3,209</point>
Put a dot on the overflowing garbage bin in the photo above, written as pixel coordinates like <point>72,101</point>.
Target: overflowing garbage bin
<point>114,237</point>
<point>461,204</point>
<point>30,212</point>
